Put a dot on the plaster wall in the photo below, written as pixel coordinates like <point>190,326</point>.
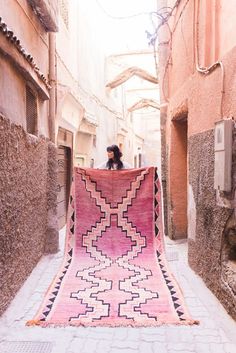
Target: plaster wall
<point>146,123</point>
<point>29,30</point>
<point>13,98</point>
<point>34,40</point>
<point>12,93</point>
<point>202,33</point>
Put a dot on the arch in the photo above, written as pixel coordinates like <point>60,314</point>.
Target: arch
<point>143,103</point>
<point>128,73</point>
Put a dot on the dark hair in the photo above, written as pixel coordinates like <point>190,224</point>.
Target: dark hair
<point>117,156</point>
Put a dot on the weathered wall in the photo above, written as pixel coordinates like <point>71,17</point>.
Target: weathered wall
<point>27,205</point>
<point>206,245</point>
<point>198,99</point>
<point>29,30</point>
<point>34,41</point>
<point>208,212</point>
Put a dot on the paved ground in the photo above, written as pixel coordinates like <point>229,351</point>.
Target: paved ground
<point>215,334</point>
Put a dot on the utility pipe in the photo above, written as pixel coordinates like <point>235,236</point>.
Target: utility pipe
<point>52,82</point>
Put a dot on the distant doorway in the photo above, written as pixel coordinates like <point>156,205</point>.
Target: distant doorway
<point>178,179</point>
<point>64,159</point>
<point>63,183</point>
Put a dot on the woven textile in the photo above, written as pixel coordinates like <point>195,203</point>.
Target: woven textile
<point>114,271</point>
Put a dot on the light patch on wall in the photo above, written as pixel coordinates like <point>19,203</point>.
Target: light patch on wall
<point>191,214</point>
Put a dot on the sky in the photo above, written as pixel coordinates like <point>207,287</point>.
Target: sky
<point>128,33</point>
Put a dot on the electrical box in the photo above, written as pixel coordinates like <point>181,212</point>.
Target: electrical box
<point>223,154</point>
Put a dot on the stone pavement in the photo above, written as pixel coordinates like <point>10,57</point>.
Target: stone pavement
<point>215,334</point>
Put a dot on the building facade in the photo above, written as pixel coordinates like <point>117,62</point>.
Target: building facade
<point>197,80</point>
<point>28,156</point>
<point>132,77</point>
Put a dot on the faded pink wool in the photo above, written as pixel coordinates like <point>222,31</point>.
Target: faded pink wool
<point>114,271</point>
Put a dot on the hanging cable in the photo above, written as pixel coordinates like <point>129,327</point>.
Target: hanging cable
<point>120,17</point>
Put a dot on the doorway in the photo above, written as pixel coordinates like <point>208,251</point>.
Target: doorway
<point>64,160</point>
<point>63,183</point>
<point>178,179</point>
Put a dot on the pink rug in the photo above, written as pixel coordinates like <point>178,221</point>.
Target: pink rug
<point>114,271</point>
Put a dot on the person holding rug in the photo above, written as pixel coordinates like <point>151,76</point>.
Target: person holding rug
<point>114,162</point>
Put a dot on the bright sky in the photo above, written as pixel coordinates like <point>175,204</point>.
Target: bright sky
<point>127,34</point>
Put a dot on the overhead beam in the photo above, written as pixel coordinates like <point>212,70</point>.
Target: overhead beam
<point>144,103</point>
<point>128,73</point>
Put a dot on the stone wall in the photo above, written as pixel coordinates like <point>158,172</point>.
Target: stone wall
<point>208,246</point>
<point>28,226</point>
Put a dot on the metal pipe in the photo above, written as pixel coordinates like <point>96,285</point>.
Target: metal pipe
<point>52,82</point>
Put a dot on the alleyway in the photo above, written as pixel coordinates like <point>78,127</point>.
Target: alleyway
<point>215,334</point>
<point>155,79</point>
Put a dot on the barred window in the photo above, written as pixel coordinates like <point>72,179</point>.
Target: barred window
<point>31,111</point>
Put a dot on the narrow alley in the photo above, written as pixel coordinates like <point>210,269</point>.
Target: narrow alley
<point>118,176</point>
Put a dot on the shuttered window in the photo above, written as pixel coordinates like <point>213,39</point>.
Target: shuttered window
<point>31,111</point>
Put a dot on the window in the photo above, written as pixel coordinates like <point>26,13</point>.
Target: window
<point>80,160</point>
<point>94,141</point>
<point>115,92</point>
<point>140,160</point>
<point>91,163</point>
<point>31,111</point>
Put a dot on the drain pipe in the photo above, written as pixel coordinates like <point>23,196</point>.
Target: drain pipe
<point>52,82</point>
<point>52,232</point>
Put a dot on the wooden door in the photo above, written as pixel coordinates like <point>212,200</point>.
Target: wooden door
<point>63,183</point>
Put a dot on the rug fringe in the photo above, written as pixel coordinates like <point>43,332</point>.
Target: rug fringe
<point>33,323</point>
<point>109,324</point>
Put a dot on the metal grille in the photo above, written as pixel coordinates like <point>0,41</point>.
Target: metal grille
<point>25,347</point>
<point>31,111</point>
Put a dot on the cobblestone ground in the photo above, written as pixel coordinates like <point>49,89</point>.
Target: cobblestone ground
<point>215,334</point>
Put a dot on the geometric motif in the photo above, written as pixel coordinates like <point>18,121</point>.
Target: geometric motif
<point>114,271</point>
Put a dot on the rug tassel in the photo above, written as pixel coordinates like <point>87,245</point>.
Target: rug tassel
<point>33,323</point>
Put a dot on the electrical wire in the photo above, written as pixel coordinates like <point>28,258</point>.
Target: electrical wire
<point>120,17</point>
<point>90,96</point>
<point>164,18</point>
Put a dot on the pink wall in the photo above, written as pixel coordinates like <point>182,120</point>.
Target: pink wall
<point>227,26</point>
<point>193,94</point>
<point>12,93</point>
<point>29,30</point>
<point>216,37</point>
<point>34,40</point>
